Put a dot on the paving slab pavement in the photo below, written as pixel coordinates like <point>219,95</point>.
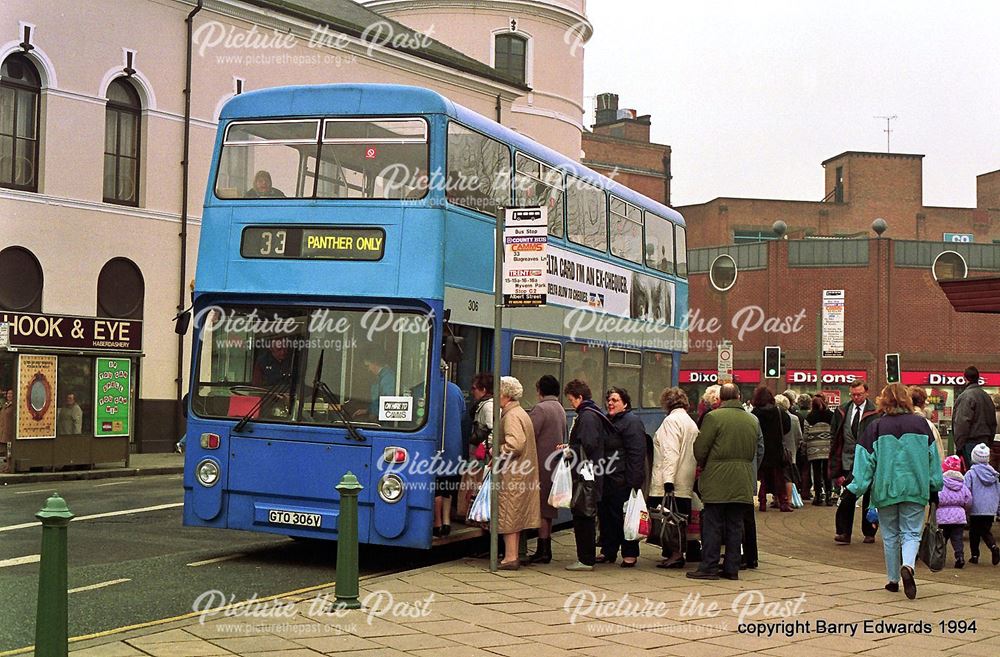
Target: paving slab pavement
<point>807,597</point>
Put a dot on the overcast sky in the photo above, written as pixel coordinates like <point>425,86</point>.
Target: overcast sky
<point>752,96</point>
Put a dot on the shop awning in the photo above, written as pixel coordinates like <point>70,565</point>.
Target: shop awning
<point>973,295</point>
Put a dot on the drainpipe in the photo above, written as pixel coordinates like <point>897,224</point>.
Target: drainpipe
<point>185,169</point>
<point>498,109</point>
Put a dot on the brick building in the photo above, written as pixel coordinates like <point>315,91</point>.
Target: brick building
<point>619,148</point>
<point>859,187</point>
<point>756,287</point>
<point>892,303</point>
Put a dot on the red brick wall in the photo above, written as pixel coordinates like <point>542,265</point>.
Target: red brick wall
<point>988,191</point>
<point>635,164</point>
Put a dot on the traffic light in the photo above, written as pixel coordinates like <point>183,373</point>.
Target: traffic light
<point>892,368</point>
<point>781,363</point>
<point>772,362</point>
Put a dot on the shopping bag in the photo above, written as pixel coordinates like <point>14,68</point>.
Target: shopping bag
<point>561,494</point>
<point>480,509</point>
<point>472,479</point>
<point>584,502</point>
<point>796,498</point>
<point>655,526</point>
<point>932,542</point>
<point>673,527</point>
<point>635,509</point>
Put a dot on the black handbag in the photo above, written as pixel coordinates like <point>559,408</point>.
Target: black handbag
<point>668,527</point>
<point>933,546</point>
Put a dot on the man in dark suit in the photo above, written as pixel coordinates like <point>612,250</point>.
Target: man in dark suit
<point>849,423</point>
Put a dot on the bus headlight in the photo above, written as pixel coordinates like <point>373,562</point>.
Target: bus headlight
<point>390,488</point>
<point>208,473</point>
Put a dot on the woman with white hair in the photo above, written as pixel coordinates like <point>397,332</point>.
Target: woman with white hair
<point>709,400</point>
<point>517,467</point>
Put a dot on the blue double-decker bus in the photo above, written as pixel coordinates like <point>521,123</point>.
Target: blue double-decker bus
<point>347,240</point>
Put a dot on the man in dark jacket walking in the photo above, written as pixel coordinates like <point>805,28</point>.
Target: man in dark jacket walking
<point>974,417</point>
<point>725,449</point>
<point>849,424</point>
<point>586,440</point>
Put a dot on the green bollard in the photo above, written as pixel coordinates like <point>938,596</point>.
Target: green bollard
<point>347,544</point>
<point>52,620</point>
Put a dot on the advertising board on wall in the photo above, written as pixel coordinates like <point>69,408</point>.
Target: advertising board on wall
<point>113,397</point>
<point>578,281</point>
<point>36,402</point>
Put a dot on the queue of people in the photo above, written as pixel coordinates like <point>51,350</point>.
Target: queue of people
<point>722,454</point>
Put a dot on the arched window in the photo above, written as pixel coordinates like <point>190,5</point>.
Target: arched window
<point>121,144</point>
<point>21,280</point>
<point>20,91</point>
<point>120,290</point>
<point>509,55</point>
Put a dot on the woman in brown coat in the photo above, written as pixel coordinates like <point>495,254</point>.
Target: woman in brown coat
<point>518,472</point>
<point>549,421</point>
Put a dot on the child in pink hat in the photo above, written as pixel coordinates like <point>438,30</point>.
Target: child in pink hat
<point>953,501</point>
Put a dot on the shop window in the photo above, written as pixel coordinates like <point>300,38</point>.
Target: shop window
<point>120,290</point>
<point>75,403</point>
<point>530,361</point>
<point>586,363</point>
<point>510,55</point>
<point>122,120</point>
<point>21,280</point>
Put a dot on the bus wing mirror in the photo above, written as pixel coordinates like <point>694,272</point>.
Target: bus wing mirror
<point>181,322</point>
<point>453,351</point>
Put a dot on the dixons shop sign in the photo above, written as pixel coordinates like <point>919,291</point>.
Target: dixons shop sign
<point>829,376</point>
<point>947,378</point>
<point>711,376</point>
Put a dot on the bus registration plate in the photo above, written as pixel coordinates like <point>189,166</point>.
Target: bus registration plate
<point>279,517</point>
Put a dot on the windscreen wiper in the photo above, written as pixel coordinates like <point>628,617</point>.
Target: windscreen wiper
<point>332,400</point>
<point>268,395</point>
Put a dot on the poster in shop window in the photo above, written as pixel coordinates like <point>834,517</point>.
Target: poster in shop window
<point>113,397</point>
<point>36,403</point>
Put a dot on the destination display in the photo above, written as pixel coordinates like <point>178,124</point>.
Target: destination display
<point>313,242</point>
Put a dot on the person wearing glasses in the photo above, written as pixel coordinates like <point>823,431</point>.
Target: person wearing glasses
<point>625,471</point>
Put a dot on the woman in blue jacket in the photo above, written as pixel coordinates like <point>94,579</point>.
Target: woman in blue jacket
<point>898,460</point>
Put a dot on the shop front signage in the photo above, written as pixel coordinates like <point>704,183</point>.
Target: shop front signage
<point>829,376</point>
<point>72,332</point>
<point>711,376</point>
<point>113,397</point>
<point>947,378</point>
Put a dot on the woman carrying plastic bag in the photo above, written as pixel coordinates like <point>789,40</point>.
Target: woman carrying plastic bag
<point>479,512</point>
<point>562,486</point>
<point>636,517</point>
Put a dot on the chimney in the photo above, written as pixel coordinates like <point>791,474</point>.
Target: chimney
<point>607,109</point>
